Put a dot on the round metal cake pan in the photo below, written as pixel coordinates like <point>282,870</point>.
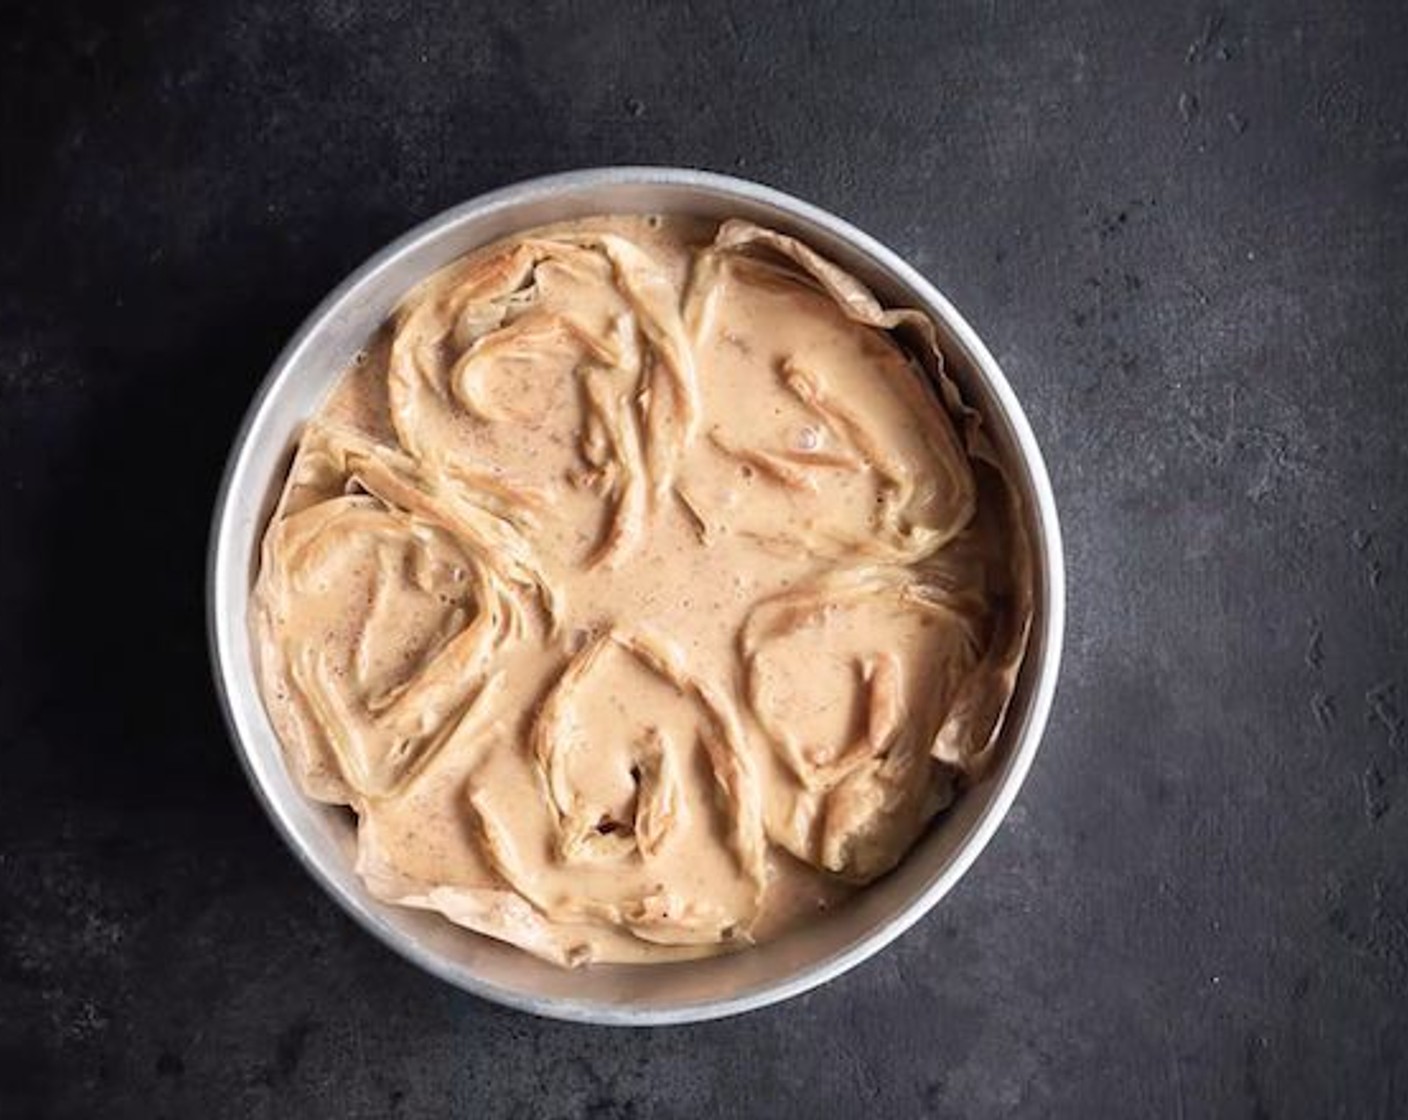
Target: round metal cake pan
<point>322,836</point>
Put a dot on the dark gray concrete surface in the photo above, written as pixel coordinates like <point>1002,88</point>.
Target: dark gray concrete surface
<point>1183,228</point>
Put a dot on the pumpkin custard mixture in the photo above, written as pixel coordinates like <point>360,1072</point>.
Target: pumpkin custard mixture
<point>638,593</point>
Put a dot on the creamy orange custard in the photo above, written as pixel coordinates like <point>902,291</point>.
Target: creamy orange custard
<point>644,590</point>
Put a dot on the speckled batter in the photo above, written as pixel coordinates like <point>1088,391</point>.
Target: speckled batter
<point>638,593</point>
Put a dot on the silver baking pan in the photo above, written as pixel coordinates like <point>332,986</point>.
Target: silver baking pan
<point>322,837</point>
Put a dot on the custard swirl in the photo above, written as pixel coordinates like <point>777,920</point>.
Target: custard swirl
<point>639,595</point>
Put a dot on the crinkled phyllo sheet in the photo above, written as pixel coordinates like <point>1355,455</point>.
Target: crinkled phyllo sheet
<point>647,590</point>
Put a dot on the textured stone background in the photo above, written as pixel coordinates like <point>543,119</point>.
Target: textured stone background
<point>1182,227</point>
